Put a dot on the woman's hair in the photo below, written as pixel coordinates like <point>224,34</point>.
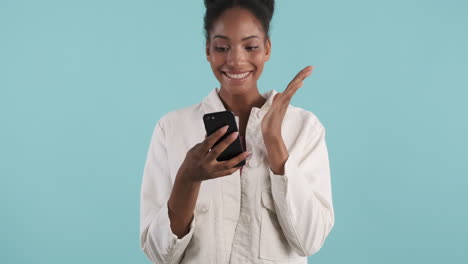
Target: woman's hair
<point>261,9</point>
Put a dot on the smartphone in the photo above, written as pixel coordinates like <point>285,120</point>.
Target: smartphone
<point>216,120</point>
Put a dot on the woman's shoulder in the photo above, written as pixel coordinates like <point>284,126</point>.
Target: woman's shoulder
<point>185,115</point>
<point>305,119</point>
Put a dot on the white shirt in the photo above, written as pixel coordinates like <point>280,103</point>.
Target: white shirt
<point>253,216</point>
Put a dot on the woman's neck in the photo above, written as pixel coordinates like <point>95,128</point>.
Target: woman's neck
<point>241,104</point>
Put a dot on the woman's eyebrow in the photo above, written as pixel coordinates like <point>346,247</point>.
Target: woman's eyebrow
<point>243,39</point>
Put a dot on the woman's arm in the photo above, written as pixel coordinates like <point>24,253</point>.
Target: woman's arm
<point>167,208</point>
<point>160,236</point>
<point>199,164</point>
<point>300,178</point>
<point>302,195</point>
<point>182,203</point>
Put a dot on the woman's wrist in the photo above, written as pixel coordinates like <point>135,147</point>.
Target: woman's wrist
<point>186,178</point>
<point>277,153</point>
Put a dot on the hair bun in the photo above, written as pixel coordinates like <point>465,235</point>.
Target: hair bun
<point>211,3</point>
<point>270,4</point>
<point>261,9</point>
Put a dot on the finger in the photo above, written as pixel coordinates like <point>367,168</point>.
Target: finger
<point>210,140</point>
<point>292,89</point>
<point>228,164</point>
<point>304,73</point>
<point>307,71</point>
<point>221,146</point>
<point>227,172</point>
<point>301,75</point>
<point>295,87</point>
<point>287,96</point>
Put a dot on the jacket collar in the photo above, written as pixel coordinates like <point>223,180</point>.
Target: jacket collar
<point>213,103</point>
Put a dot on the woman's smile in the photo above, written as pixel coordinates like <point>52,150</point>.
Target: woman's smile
<point>237,76</point>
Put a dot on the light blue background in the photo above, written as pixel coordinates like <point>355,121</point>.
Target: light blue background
<point>82,84</point>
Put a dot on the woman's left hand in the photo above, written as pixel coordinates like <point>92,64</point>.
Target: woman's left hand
<point>273,119</point>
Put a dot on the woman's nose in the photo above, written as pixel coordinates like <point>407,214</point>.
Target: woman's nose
<point>235,57</point>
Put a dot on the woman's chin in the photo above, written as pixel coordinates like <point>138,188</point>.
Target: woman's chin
<point>237,89</point>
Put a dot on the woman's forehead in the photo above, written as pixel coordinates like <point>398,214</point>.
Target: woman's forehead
<point>237,24</point>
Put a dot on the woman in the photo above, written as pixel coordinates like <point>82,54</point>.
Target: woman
<point>278,207</point>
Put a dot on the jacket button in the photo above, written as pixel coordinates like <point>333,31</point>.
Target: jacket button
<point>204,209</point>
<point>253,162</point>
<point>260,113</point>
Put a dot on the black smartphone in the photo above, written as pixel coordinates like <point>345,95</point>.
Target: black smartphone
<point>216,120</point>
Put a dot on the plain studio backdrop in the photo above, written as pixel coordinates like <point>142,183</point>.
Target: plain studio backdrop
<point>82,84</point>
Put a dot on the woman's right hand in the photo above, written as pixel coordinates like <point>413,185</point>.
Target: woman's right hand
<point>200,163</point>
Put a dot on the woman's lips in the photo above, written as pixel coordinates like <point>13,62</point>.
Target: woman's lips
<point>237,76</point>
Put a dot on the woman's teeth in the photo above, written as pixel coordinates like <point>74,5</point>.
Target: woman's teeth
<point>237,76</point>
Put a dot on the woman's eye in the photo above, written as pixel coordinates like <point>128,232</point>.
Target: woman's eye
<point>221,49</point>
<point>251,48</point>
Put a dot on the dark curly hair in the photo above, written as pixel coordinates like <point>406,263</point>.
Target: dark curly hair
<point>261,9</point>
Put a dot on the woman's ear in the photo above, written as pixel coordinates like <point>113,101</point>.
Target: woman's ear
<point>207,49</point>
<point>267,49</point>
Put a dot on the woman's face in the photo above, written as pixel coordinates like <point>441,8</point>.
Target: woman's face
<point>237,50</point>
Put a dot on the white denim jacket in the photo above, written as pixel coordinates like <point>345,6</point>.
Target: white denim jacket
<point>253,216</point>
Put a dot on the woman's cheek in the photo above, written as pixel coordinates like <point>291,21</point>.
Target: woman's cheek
<point>215,58</point>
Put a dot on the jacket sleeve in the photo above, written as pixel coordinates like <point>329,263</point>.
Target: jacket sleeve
<point>157,240</point>
<point>302,196</point>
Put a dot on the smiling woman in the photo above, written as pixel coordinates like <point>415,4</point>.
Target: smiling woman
<point>278,207</point>
<point>237,49</point>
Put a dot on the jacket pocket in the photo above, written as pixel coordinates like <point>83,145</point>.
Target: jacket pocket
<point>273,243</point>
